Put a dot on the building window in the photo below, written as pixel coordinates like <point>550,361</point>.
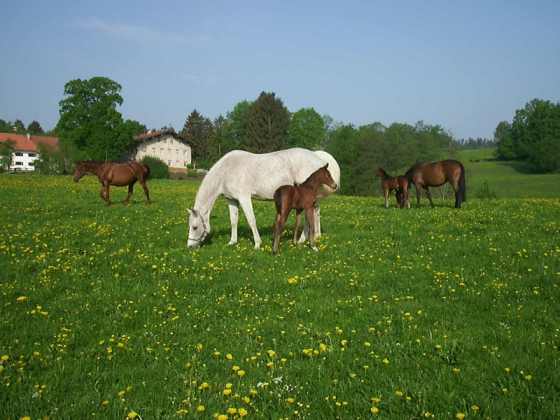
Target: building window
<point>19,154</point>
<point>161,151</point>
<point>184,153</point>
<point>177,164</point>
<point>153,150</point>
<point>32,154</point>
<point>177,152</point>
<point>19,163</point>
<point>169,151</point>
<point>171,141</point>
<point>168,163</point>
<point>145,149</point>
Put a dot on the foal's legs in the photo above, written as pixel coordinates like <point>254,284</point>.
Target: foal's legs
<point>278,225</point>
<point>309,220</point>
<point>316,222</point>
<point>457,195</point>
<point>296,226</point>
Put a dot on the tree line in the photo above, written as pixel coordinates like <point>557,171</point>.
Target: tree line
<point>90,127</point>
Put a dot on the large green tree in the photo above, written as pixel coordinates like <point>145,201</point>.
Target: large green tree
<point>267,125</point>
<point>344,147</point>
<point>90,123</point>
<point>534,136</point>
<point>307,129</point>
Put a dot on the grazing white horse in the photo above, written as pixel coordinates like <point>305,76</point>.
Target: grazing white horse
<point>240,176</point>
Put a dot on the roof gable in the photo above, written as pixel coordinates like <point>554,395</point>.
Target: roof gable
<point>28,141</point>
<point>143,137</point>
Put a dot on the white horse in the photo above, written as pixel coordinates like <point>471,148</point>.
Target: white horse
<point>240,176</point>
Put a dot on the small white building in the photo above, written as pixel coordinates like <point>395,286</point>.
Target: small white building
<point>26,149</point>
<point>166,145</point>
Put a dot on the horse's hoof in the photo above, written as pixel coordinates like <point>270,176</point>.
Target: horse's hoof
<point>314,248</point>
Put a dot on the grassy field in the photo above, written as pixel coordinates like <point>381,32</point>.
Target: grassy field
<point>507,179</point>
<point>427,313</point>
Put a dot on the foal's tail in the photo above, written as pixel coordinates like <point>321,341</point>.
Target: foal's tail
<point>462,183</point>
<point>278,198</point>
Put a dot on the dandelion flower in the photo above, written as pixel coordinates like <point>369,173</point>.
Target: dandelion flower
<point>386,361</point>
<point>242,412</point>
<point>240,372</point>
<point>374,410</point>
<point>200,408</point>
<point>459,416</point>
<point>132,415</point>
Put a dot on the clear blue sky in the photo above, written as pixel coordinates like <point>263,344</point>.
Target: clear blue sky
<point>466,65</point>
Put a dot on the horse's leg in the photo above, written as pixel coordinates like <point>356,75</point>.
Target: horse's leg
<point>405,196</point>
<point>296,226</point>
<point>309,214</point>
<point>233,219</point>
<point>146,191</point>
<point>247,207</point>
<point>457,195</point>
<point>418,187</point>
<point>278,225</point>
<point>130,191</point>
<point>316,222</point>
<point>427,191</point>
<point>106,197</point>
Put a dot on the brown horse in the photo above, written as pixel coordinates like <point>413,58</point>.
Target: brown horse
<point>389,183</point>
<point>300,197</point>
<point>424,175</point>
<point>117,174</point>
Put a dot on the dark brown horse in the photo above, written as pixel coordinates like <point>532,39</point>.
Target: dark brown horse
<point>389,183</point>
<point>424,175</point>
<point>300,197</point>
<point>117,174</point>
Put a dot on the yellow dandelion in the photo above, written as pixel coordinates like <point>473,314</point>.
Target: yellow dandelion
<point>132,415</point>
<point>459,416</point>
<point>374,410</point>
<point>200,408</point>
<point>386,361</point>
<point>242,412</point>
<point>229,356</point>
<point>240,372</point>
<point>398,393</point>
<point>474,408</point>
<point>232,410</point>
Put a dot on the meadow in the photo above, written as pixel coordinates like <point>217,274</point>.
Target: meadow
<point>427,313</point>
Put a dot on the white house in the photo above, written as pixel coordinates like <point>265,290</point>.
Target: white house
<point>166,145</point>
<point>25,149</point>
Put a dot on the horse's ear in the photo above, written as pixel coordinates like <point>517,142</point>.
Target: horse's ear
<point>189,211</point>
<point>326,166</point>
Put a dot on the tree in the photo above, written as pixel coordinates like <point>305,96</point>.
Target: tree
<point>35,128</point>
<point>19,126</point>
<point>370,156</point>
<point>6,149</point>
<point>307,129</point>
<point>534,136</point>
<point>217,140</point>
<point>236,126</point>
<point>53,160</point>
<point>199,129</point>
<point>89,122</point>
<point>504,143</point>
<point>267,125</point>
<point>343,146</point>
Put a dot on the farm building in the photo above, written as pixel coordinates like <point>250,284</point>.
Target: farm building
<point>166,145</point>
<point>26,149</point>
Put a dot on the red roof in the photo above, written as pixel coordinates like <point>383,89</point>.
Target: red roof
<point>31,143</point>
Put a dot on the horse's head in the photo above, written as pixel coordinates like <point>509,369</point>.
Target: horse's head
<point>198,230</point>
<point>326,177</point>
<point>79,171</point>
<point>400,199</point>
<point>378,172</point>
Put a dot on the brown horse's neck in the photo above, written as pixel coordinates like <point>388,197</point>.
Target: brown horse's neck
<point>384,175</point>
<point>93,166</point>
<point>313,182</point>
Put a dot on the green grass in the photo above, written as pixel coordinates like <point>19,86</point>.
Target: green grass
<point>420,313</point>
<point>508,179</point>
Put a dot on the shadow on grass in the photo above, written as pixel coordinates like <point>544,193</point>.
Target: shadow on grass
<point>518,166</point>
